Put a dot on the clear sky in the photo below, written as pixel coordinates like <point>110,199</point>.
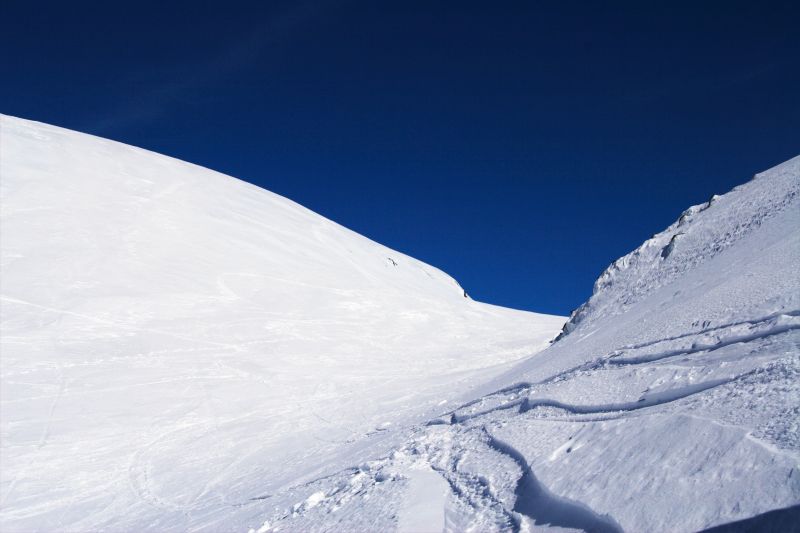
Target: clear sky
<point>519,146</point>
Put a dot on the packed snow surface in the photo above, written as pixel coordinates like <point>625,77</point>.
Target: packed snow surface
<point>182,350</point>
<point>177,344</point>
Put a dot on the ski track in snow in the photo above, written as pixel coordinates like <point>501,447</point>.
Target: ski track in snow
<point>532,501</point>
<point>539,504</point>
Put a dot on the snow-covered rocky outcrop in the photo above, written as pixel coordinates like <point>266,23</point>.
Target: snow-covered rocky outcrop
<point>178,344</point>
<point>671,403</point>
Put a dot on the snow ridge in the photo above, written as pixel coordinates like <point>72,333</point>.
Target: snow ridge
<point>700,233</point>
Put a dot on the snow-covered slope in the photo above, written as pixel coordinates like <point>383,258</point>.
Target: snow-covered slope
<point>177,343</point>
<point>182,350</point>
<point>670,403</point>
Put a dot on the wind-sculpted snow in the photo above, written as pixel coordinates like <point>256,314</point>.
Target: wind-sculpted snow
<point>176,342</point>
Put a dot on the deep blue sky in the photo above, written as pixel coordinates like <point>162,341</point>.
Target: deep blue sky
<point>519,146</point>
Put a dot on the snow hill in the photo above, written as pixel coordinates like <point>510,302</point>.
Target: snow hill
<point>671,402</point>
<point>178,344</point>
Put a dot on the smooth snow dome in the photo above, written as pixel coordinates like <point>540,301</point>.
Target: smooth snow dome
<point>177,343</point>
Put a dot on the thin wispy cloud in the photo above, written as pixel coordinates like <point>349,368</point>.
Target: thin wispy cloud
<point>182,81</point>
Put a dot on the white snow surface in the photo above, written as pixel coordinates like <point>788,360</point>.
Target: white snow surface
<point>183,351</point>
<point>178,344</point>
